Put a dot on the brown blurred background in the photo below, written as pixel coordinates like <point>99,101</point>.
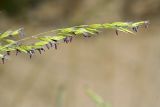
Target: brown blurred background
<point>124,70</point>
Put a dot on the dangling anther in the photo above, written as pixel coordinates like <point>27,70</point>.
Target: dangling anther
<point>30,54</point>
<point>42,49</point>
<point>51,44</point>
<point>135,29</point>
<point>70,39</point>
<point>66,40</point>
<point>47,46</point>
<point>17,51</point>
<point>8,53</point>
<point>39,50</point>
<point>116,32</point>
<point>55,46</point>
<point>33,51</point>
<point>3,60</point>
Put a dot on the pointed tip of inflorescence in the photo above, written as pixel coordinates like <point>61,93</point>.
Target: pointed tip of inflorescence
<point>136,28</point>
<point>21,32</point>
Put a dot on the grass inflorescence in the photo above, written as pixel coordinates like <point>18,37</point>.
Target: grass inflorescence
<point>50,39</point>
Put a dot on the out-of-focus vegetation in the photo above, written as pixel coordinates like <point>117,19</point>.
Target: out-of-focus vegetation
<point>15,8</point>
<point>96,98</point>
<point>124,70</point>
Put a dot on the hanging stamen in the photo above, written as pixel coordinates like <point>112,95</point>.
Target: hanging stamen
<point>47,46</point>
<point>51,44</point>
<point>70,39</point>
<point>3,60</point>
<point>8,53</point>
<point>39,50</point>
<point>66,40</point>
<point>135,29</point>
<point>17,51</point>
<point>32,51</point>
<point>42,49</point>
<point>116,32</point>
<point>55,46</point>
<point>30,54</point>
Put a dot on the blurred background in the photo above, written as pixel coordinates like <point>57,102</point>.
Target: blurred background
<point>124,70</point>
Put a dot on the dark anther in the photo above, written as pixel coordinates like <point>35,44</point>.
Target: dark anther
<point>3,60</point>
<point>135,29</point>
<point>8,52</point>
<point>116,32</point>
<point>32,51</point>
<point>55,46</point>
<point>30,54</point>
<point>17,51</point>
<point>42,49</point>
<point>47,46</point>
<point>70,39</point>
<point>51,44</point>
<point>39,50</point>
<point>67,40</point>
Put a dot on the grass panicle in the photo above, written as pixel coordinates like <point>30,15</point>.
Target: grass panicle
<point>14,40</point>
